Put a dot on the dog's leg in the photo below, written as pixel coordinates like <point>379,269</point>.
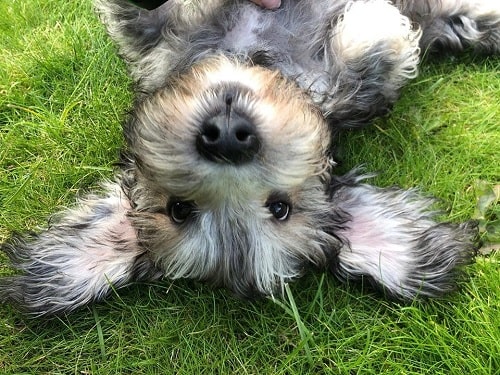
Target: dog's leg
<point>151,42</point>
<point>374,51</point>
<point>79,259</point>
<point>136,33</point>
<point>454,25</point>
<point>392,239</point>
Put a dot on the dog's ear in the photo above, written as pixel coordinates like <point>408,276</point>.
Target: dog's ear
<point>391,238</point>
<point>85,252</point>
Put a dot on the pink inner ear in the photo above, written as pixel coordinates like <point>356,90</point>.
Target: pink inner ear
<point>382,232</point>
<point>377,247</point>
<point>108,243</point>
<point>117,225</point>
<point>85,251</point>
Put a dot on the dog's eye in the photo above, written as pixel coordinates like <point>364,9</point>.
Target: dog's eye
<point>179,211</point>
<point>278,204</point>
<point>280,210</point>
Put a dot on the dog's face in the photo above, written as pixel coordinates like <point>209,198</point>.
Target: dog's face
<point>232,166</point>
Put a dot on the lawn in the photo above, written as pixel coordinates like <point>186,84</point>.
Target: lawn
<point>63,94</point>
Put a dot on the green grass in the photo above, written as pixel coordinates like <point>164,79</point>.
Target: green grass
<point>63,93</point>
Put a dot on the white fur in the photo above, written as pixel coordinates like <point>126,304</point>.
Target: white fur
<point>382,233</point>
<point>472,8</point>
<point>377,25</point>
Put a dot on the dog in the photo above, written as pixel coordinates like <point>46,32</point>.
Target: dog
<point>227,176</point>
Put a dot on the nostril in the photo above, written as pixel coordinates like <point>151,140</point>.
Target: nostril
<point>210,133</point>
<point>242,135</point>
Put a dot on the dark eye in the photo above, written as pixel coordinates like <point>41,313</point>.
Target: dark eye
<point>280,210</point>
<point>179,211</point>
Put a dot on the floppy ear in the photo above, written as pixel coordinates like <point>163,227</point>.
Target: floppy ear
<point>85,253</point>
<point>391,238</point>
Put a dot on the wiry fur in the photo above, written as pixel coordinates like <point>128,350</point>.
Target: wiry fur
<point>390,229</point>
<point>252,219</point>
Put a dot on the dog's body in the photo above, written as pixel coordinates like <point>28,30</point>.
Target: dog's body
<point>227,176</point>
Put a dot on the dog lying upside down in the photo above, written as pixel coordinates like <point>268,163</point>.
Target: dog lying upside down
<point>227,176</point>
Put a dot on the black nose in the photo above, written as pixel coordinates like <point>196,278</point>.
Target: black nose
<point>228,138</point>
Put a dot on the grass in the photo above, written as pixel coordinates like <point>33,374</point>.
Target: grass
<point>63,95</point>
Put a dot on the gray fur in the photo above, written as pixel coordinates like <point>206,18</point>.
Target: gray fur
<point>298,75</point>
<point>89,250</point>
<point>392,236</point>
<point>300,40</point>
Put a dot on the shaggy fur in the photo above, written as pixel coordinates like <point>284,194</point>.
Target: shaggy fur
<point>227,175</point>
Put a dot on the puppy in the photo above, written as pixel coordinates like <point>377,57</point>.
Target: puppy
<point>227,176</point>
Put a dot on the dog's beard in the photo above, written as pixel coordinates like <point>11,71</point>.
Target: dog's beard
<point>163,133</point>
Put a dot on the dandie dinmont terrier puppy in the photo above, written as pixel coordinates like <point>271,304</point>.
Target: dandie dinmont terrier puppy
<point>227,175</point>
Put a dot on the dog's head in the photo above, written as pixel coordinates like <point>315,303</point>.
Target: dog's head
<point>232,168</point>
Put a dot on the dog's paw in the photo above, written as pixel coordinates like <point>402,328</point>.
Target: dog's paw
<point>370,32</point>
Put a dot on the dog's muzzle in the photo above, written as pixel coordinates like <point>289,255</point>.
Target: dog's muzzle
<point>228,137</point>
